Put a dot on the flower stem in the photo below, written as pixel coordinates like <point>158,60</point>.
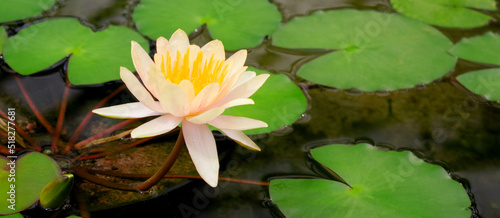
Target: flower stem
<point>99,135</point>
<point>169,162</point>
<point>60,119</point>
<point>84,174</point>
<point>42,120</point>
<point>99,155</point>
<point>23,134</point>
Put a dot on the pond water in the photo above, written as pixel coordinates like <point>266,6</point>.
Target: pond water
<point>440,122</point>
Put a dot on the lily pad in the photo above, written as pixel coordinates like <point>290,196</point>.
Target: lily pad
<point>54,194</point>
<point>31,173</point>
<point>11,10</point>
<point>483,82</point>
<point>374,51</point>
<point>484,49</point>
<point>239,24</point>
<point>3,39</point>
<point>447,13</point>
<point>95,57</point>
<point>279,102</point>
<point>385,183</point>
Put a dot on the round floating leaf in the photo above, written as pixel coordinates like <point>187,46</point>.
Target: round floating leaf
<point>17,215</point>
<point>96,57</point>
<point>447,13</point>
<point>3,39</point>
<point>483,82</point>
<point>279,102</point>
<point>237,23</point>
<point>31,173</point>
<point>11,10</point>
<point>55,193</point>
<point>385,183</point>
<point>484,49</point>
<point>375,51</point>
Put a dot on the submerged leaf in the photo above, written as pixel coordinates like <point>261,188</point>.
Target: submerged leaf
<point>386,183</point>
<point>239,24</point>
<point>374,51</point>
<point>279,102</point>
<point>447,13</point>
<point>95,57</point>
<point>11,10</point>
<point>55,193</point>
<point>31,173</point>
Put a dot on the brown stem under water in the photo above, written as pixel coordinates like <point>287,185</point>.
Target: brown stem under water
<point>60,119</point>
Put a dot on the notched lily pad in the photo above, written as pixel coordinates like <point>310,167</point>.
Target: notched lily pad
<point>279,102</point>
<point>386,183</point>
<point>447,13</point>
<point>237,23</point>
<point>95,56</point>
<point>374,51</point>
<point>483,82</point>
<point>31,173</point>
<point>11,10</point>
<point>484,49</point>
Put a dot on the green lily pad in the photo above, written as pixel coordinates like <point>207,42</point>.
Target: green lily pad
<point>96,57</point>
<point>17,215</point>
<point>11,10</point>
<point>3,39</point>
<point>279,102</point>
<point>483,82</point>
<point>385,183</point>
<point>375,51</point>
<point>447,13</point>
<point>31,173</point>
<point>484,49</point>
<point>239,24</point>
<point>54,194</point>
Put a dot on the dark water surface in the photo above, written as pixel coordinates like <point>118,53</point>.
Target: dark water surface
<point>440,122</point>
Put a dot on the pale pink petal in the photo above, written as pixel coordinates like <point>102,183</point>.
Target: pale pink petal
<point>245,90</point>
<point>142,62</point>
<point>236,123</point>
<point>175,100</point>
<point>162,45</point>
<point>237,102</point>
<point>138,90</point>
<point>201,146</point>
<point>229,81</point>
<point>178,41</point>
<point>193,53</point>
<point>188,88</point>
<point>156,81</point>
<point>245,77</point>
<point>156,126</point>
<point>206,116</point>
<point>240,138</point>
<point>239,60</point>
<point>126,111</point>
<point>205,98</point>
<point>215,48</point>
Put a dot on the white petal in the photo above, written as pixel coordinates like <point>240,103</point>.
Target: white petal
<point>188,88</point>
<point>214,47</point>
<point>156,126</point>
<point>245,90</point>
<point>237,102</point>
<point>205,98</point>
<point>138,90</point>
<point>126,111</point>
<point>178,41</point>
<point>241,139</point>
<point>245,77</point>
<point>175,100</point>
<point>236,123</point>
<point>239,60</point>
<point>229,81</point>
<point>162,45</point>
<point>206,116</point>
<point>201,146</point>
<point>142,62</point>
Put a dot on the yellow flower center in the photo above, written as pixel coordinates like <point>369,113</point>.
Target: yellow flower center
<point>201,73</point>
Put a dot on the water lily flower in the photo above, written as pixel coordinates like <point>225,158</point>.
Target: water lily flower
<point>192,86</point>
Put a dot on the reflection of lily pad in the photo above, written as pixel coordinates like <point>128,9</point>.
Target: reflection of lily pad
<point>484,49</point>
<point>3,39</point>
<point>239,24</point>
<point>32,172</point>
<point>11,10</point>
<point>388,184</point>
<point>95,56</point>
<point>279,102</point>
<point>376,51</point>
<point>447,13</point>
<point>483,82</point>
